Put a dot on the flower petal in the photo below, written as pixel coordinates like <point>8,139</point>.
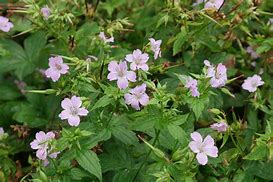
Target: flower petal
<point>74,120</point>
<point>82,112</point>
<point>76,101</point>
<point>194,146</point>
<point>202,158</point>
<point>208,141</point>
<point>196,137</point>
<point>122,83</point>
<point>211,151</point>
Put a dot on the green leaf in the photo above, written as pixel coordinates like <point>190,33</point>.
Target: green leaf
<point>89,161</point>
<point>13,58</point>
<point>181,38</point>
<point>34,44</point>
<point>124,135</point>
<point>8,91</point>
<point>26,113</point>
<point>226,91</point>
<point>102,102</point>
<point>259,152</point>
<point>177,132</point>
<point>78,174</point>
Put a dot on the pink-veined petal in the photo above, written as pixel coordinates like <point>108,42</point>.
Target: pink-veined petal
<point>196,137</point>
<point>76,101</point>
<point>82,111</point>
<point>74,120</point>
<point>211,151</point>
<point>122,83</point>
<point>202,158</point>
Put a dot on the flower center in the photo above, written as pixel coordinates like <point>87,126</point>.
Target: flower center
<point>74,111</point>
<point>121,74</point>
<point>58,66</point>
<point>254,84</point>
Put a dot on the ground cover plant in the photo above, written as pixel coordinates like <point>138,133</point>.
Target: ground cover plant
<point>136,90</point>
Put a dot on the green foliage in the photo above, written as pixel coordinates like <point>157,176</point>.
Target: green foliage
<point>115,142</point>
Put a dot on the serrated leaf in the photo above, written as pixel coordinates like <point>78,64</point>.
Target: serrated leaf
<point>257,153</point>
<point>89,161</point>
<point>181,38</point>
<point>124,135</point>
<point>102,102</point>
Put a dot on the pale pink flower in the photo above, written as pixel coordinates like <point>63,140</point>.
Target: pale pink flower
<point>104,38</point>
<point>138,60</point>
<point>192,85</point>
<point>137,96</point>
<point>45,12</point>
<point>217,74</point>
<point>252,83</point>
<point>213,4</point>
<point>220,127</point>
<point>56,68</point>
<point>203,149</point>
<point>155,47</point>
<point>1,131</point>
<point>119,72</point>
<point>5,25</point>
<point>72,110</point>
<point>52,156</point>
<point>41,143</point>
<point>252,52</point>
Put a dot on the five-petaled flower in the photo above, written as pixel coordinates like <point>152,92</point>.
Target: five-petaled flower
<point>252,83</point>
<point>155,47</point>
<point>217,75</point>
<point>56,68</point>
<point>72,110</point>
<point>45,12</point>
<point>192,85</point>
<point>203,149</point>
<point>137,96</point>
<point>104,38</point>
<point>41,144</point>
<point>220,127</point>
<point>5,25</point>
<point>214,4</point>
<point>138,60</point>
<point>119,72</point>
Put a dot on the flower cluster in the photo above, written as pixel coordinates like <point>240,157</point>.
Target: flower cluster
<point>137,60</point>
<point>44,147</point>
<point>203,148</point>
<point>217,75</point>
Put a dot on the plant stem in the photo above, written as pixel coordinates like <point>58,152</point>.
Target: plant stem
<point>150,151</point>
